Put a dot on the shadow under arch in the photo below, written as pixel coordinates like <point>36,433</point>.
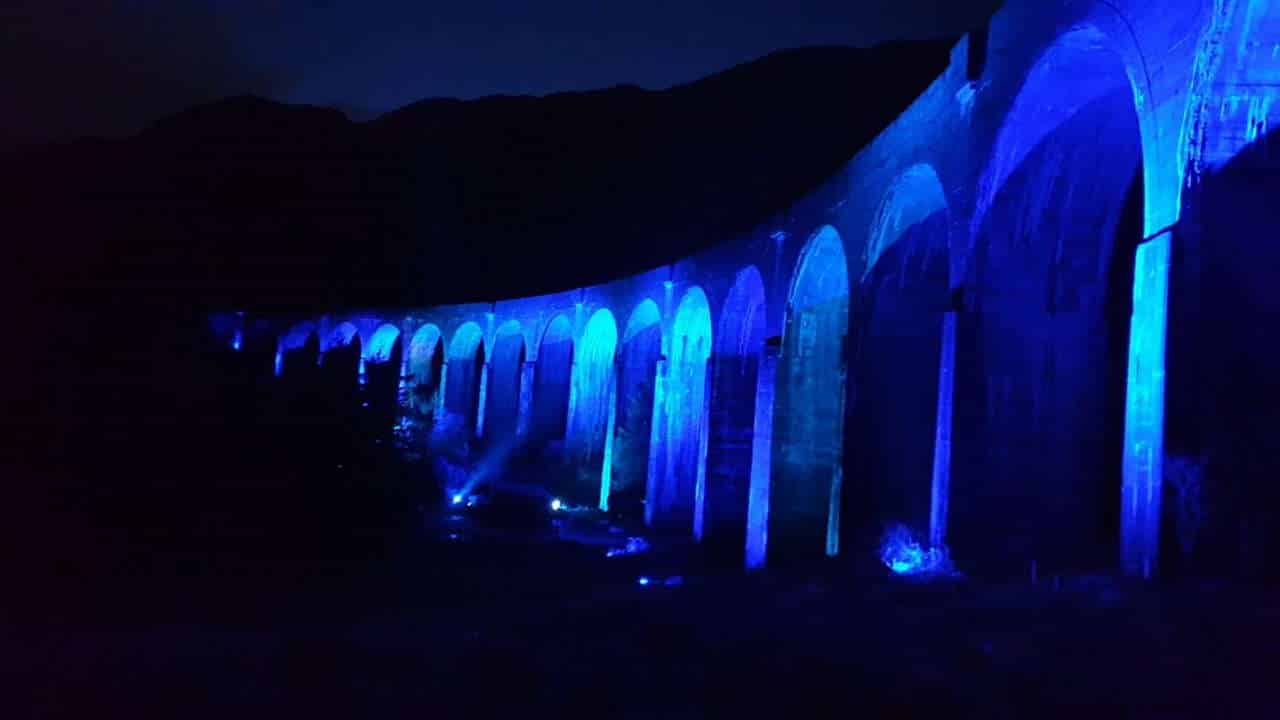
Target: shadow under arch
<point>808,425</point>
<point>739,343</point>
<point>1042,344</point>
<point>638,355</point>
<point>899,318</point>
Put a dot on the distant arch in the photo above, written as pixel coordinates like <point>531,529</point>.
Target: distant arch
<point>593,398</point>
<point>465,373</point>
<point>551,380</point>
<point>340,364</point>
<point>638,357</point>
<point>503,412</point>
<point>298,350</point>
<point>808,426</point>
<point>382,344</point>
<point>341,335</point>
<point>682,495</point>
<point>739,339</point>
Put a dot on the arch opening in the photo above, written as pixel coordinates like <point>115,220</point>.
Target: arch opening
<point>551,379</point>
<point>593,392</point>
<point>462,386</point>
<point>739,343</point>
<point>638,357</point>
<point>1043,349</point>
<point>900,314</point>
<point>340,366</point>
<point>426,368</point>
<point>503,397</point>
<point>298,351</point>
<point>681,497</point>
<point>1220,459</point>
<point>382,362</point>
<point>808,426</point>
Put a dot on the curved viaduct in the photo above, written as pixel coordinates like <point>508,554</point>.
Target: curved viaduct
<point>965,330</point>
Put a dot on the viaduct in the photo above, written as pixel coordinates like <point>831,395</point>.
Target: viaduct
<point>1031,319</point>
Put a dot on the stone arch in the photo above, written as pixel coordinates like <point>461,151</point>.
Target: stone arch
<point>914,197</point>
<point>551,381</point>
<point>590,434</point>
<point>639,355</point>
<point>503,412</point>
<point>901,428</point>
<point>382,364</point>
<point>680,500</point>
<point>426,367</point>
<point>382,344</point>
<point>298,350</point>
<point>464,379</point>
<point>340,366</point>
<point>739,342</point>
<point>342,335</point>
<point>808,425</point>
<point>1043,346</point>
<point>342,347</point>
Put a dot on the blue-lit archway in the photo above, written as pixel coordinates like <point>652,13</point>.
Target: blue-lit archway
<point>503,412</point>
<point>298,351</point>
<point>343,335</point>
<point>382,365</point>
<point>808,426</point>
<point>1043,347</point>
<point>464,381</point>
<point>593,414</point>
<point>340,364</point>
<point>739,343</point>
<point>551,379</point>
<point>900,423</point>
<point>425,368</point>
<point>638,357</point>
<point>341,360</point>
<point>680,499</point>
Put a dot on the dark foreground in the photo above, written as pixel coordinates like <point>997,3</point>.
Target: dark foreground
<point>408,623</point>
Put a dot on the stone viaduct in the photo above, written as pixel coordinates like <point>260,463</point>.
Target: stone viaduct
<point>965,330</point>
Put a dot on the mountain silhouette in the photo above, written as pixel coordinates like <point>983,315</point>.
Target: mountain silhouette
<point>255,204</point>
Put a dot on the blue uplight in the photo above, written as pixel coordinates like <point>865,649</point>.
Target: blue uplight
<point>643,580</point>
<point>457,499</point>
<point>556,505</point>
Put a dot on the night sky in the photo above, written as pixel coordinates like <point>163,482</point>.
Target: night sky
<point>105,67</point>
